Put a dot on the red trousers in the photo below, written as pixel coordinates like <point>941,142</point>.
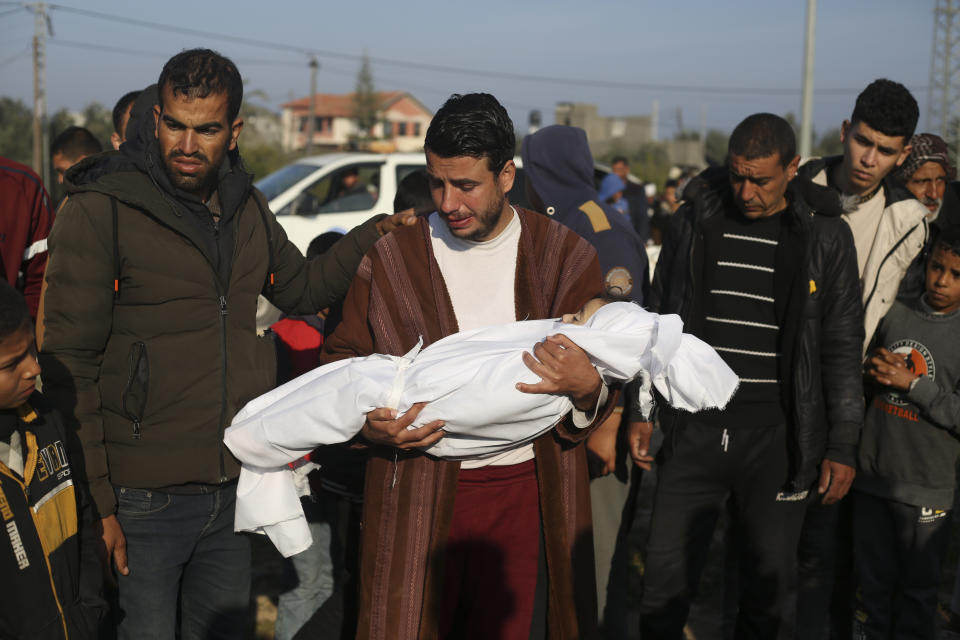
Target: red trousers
<point>490,577</point>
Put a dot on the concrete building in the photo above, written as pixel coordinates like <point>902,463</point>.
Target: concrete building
<point>605,132</point>
<point>402,126</point>
<point>624,134</point>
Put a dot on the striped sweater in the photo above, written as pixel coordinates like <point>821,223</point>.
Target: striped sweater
<point>739,314</point>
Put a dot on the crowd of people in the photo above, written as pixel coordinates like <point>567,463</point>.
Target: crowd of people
<point>829,286</point>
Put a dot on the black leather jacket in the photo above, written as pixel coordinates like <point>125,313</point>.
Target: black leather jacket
<point>818,309</point>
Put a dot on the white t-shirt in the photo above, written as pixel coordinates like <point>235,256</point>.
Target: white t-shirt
<point>480,278</point>
<point>863,221</point>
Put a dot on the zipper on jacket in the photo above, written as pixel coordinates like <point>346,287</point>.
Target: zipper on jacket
<point>692,296</point>
<point>223,379</point>
<point>138,380</point>
<point>222,301</point>
<point>876,281</point>
<point>216,242</point>
<point>222,304</point>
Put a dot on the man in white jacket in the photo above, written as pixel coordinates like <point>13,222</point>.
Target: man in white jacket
<point>889,230</point>
<point>887,221</point>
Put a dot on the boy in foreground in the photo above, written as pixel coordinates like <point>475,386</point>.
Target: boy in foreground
<point>905,479</point>
<point>40,546</point>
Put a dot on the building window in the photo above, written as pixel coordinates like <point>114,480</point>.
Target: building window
<point>401,128</point>
<point>416,129</point>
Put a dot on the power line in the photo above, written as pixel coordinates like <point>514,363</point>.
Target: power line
<point>438,68</point>
<point>158,54</point>
<point>4,62</point>
<point>12,11</point>
<point>284,63</point>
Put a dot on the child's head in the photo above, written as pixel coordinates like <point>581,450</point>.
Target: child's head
<point>590,307</point>
<point>943,272</point>
<point>18,354</point>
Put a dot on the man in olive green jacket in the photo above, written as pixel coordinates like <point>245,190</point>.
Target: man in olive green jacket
<point>158,257</point>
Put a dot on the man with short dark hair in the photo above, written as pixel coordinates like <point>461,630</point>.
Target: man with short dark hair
<point>887,222</point>
<point>151,344</point>
<point>72,145</point>
<point>496,547</point>
<point>762,268</point>
<point>889,231</point>
<point>121,116</point>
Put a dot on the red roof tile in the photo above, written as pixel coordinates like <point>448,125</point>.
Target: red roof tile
<point>334,105</point>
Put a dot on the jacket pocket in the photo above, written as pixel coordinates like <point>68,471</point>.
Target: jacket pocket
<point>134,396</point>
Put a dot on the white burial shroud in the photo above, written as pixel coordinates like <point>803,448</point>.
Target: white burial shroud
<point>468,380</point>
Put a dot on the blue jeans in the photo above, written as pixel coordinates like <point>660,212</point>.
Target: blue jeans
<point>182,548</point>
<point>310,573</point>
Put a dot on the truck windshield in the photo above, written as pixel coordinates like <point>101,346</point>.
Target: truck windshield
<point>282,179</point>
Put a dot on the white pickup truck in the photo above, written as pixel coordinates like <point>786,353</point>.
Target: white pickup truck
<point>310,196</point>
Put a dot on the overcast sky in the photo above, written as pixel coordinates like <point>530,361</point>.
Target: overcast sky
<point>703,46</point>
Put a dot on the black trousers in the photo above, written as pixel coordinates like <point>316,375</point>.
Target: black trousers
<point>898,551</point>
<point>825,572</point>
<point>701,466</point>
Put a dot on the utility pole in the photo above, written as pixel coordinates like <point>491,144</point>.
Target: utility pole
<point>41,27</point>
<point>806,110</point>
<point>655,120</point>
<point>312,118</point>
<point>942,92</point>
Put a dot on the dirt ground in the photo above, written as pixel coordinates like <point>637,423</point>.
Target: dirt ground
<point>705,615</point>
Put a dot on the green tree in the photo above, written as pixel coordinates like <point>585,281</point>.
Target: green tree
<point>16,127</point>
<point>791,119</point>
<point>94,117</point>
<point>366,102</point>
<point>262,159</point>
<point>828,144</point>
<point>651,163</point>
<point>259,146</point>
<point>716,147</point>
<point>99,120</point>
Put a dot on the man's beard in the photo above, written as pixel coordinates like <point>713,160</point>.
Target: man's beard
<point>201,183</point>
<point>488,220</point>
<point>932,215</point>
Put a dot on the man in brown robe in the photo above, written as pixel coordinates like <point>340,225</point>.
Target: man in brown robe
<point>498,547</point>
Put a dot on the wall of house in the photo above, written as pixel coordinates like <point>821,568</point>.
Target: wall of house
<point>405,120</point>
